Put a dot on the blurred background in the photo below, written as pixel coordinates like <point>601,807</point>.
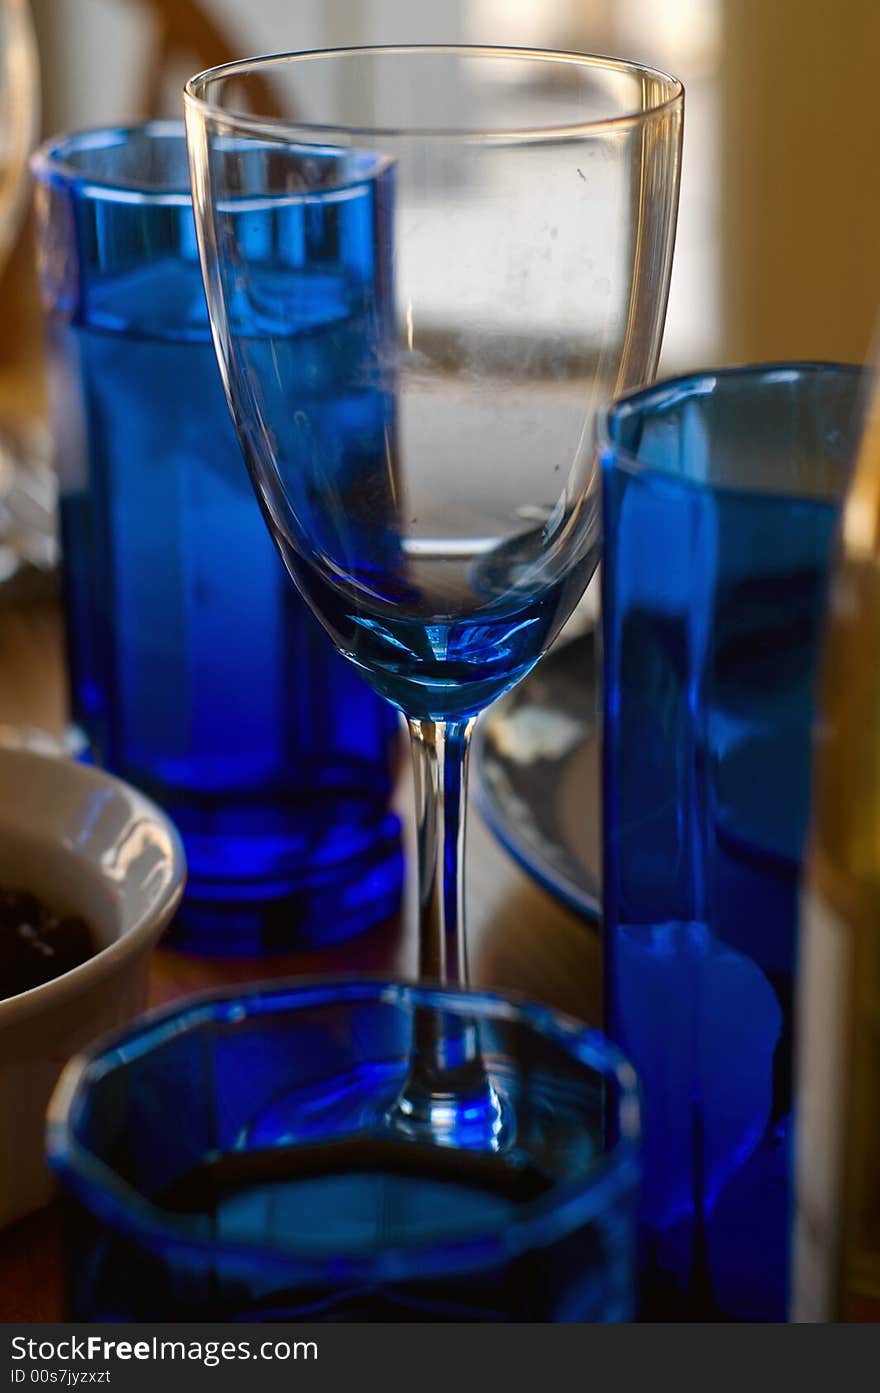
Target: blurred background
<point>780,206</point>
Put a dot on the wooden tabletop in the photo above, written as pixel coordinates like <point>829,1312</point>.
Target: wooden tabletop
<point>519,938</point>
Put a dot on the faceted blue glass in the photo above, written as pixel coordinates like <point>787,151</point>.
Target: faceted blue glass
<point>196,671</point>
<point>231,1159</point>
<point>720,497</point>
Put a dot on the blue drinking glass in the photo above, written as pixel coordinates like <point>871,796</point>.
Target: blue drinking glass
<point>720,499</point>
<point>196,671</point>
<point>229,1159</point>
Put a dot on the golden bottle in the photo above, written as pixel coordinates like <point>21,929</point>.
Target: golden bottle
<point>836,1260</point>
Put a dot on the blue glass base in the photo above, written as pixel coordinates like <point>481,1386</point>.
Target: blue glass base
<point>283,914</point>
<point>301,874</point>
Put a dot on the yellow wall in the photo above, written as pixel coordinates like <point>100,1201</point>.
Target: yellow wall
<point>800,152</point>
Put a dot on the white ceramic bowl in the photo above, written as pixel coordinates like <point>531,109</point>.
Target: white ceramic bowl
<point>85,843</point>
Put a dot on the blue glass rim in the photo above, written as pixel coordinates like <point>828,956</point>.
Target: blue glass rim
<point>52,163</point>
<point>670,391</point>
<point>562,1210</point>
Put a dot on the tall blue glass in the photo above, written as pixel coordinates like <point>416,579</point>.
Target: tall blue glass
<point>720,497</point>
<point>230,1160</point>
<point>196,671</point>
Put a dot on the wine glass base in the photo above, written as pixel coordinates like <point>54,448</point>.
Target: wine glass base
<point>467,1112</point>
<point>448,1098</point>
<point>470,1112</point>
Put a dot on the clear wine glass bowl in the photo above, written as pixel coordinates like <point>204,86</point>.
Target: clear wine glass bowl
<point>468,251</point>
<point>424,278</point>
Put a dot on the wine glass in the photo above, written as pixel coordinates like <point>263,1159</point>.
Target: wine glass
<point>423,279</point>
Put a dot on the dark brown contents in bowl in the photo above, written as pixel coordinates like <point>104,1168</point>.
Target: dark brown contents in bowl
<point>36,944</point>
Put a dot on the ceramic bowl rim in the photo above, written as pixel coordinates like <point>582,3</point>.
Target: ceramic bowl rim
<point>148,924</point>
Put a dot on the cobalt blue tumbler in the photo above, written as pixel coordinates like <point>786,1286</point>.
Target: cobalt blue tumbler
<point>721,493</point>
<point>196,671</point>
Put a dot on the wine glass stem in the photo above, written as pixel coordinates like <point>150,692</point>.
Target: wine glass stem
<point>440,759</point>
<point>448,1096</point>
